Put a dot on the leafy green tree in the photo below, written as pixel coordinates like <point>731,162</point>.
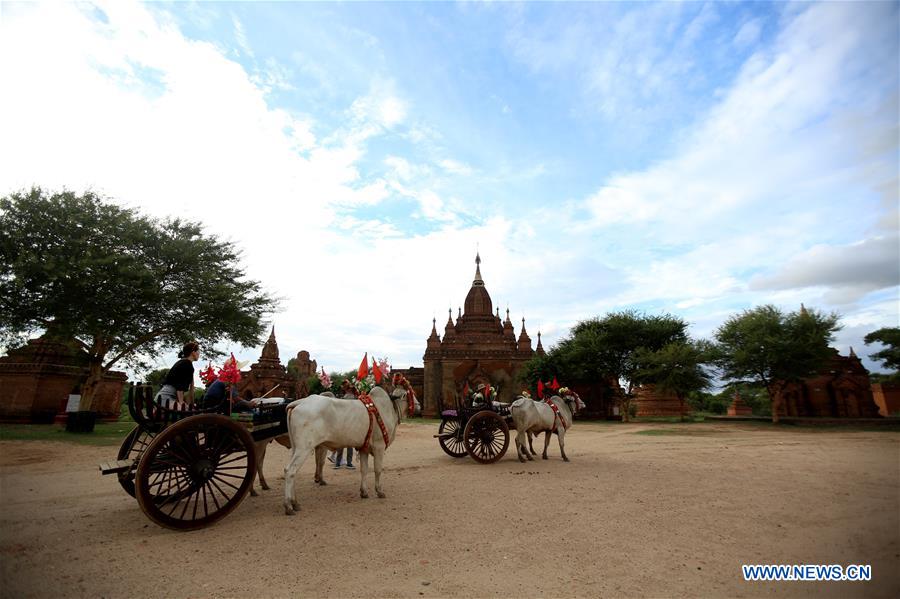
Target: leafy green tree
<point>121,284</point>
<point>540,368</point>
<point>889,337</point>
<point>611,349</point>
<point>156,377</point>
<point>767,346</point>
<point>678,368</point>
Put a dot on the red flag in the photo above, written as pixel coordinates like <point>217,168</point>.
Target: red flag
<point>540,389</point>
<point>487,393</point>
<point>377,372</point>
<point>466,390</point>
<point>554,385</point>
<point>363,368</point>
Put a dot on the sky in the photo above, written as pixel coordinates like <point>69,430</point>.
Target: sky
<point>691,158</point>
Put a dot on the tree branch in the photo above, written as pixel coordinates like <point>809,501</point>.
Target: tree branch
<point>137,343</point>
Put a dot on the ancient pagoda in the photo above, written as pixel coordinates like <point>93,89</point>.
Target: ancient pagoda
<point>478,348</point>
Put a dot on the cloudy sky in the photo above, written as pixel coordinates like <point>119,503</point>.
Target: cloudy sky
<point>690,158</point>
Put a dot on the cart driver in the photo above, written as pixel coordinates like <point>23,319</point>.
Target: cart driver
<point>479,399</point>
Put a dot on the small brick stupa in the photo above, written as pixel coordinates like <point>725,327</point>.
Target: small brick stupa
<point>266,373</point>
<point>738,407</point>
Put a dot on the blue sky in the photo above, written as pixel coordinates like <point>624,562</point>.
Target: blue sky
<point>691,158</point>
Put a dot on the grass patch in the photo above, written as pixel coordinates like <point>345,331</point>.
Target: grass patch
<point>105,433</point>
<point>690,418</point>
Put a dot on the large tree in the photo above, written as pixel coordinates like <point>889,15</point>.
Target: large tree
<point>611,349</point>
<point>678,368</point>
<point>889,337</point>
<point>123,285</point>
<point>773,348</point>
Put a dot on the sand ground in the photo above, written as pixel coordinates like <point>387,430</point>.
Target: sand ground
<point>672,512</point>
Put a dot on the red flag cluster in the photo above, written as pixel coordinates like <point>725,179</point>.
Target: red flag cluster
<point>541,385</point>
<point>229,372</point>
<point>363,371</point>
<point>208,375</point>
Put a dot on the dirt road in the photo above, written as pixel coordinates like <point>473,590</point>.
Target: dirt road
<point>641,510</point>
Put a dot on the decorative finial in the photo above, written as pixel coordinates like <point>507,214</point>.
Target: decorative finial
<point>458,312</point>
<point>478,280</point>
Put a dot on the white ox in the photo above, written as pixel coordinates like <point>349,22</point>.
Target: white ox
<point>533,417</point>
<point>318,423</point>
<point>284,441</point>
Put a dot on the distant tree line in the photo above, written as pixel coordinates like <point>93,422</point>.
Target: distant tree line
<point>756,353</point>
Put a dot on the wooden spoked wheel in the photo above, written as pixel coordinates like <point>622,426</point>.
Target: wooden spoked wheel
<point>133,447</point>
<point>195,472</point>
<point>486,437</point>
<point>451,438</point>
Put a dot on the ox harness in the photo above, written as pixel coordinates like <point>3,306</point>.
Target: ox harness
<point>374,415</point>
<point>556,415</point>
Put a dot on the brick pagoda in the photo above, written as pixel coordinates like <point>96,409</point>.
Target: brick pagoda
<point>478,348</point>
<point>36,380</point>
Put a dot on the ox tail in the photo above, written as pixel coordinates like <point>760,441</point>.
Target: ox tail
<point>290,412</point>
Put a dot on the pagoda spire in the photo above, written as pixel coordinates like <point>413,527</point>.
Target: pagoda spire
<point>478,280</point>
<point>524,342</point>
<point>803,311</point>
<point>540,348</point>
<point>433,342</point>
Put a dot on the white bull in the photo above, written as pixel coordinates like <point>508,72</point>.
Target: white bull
<point>533,417</point>
<point>318,423</point>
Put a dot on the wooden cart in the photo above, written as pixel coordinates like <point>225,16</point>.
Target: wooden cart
<point>190,468</point>
<point>481,432</point>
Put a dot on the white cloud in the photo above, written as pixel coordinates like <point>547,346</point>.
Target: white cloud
<point>454,167</point>
<point>199,141</point>
<point>748,34</point>
<point>847,271</point>
<point>241,36</point>
<point>799,153</point>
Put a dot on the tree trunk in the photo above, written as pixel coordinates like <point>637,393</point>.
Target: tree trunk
<point>90,386</point>
<point>681,407</point>
<point>775,400</point>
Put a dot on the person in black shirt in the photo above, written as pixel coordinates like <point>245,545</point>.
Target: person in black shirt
<point>178,385</point>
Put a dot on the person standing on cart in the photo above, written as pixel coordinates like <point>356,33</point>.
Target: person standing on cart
<point>178,386</point>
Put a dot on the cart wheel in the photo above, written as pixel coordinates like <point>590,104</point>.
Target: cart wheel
<point>195,472</point>
<point>451,439</point>
<point>133,447</point>
<point>486,437</point>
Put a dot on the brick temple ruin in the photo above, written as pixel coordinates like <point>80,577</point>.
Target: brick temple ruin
<point>37,378</point>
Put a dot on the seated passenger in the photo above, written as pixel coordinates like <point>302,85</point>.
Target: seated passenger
<point>479,399</point>
<point>218,389</point>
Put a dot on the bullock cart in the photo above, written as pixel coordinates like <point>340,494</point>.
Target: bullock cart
<point>189,468</point>
<point>479,431</point>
